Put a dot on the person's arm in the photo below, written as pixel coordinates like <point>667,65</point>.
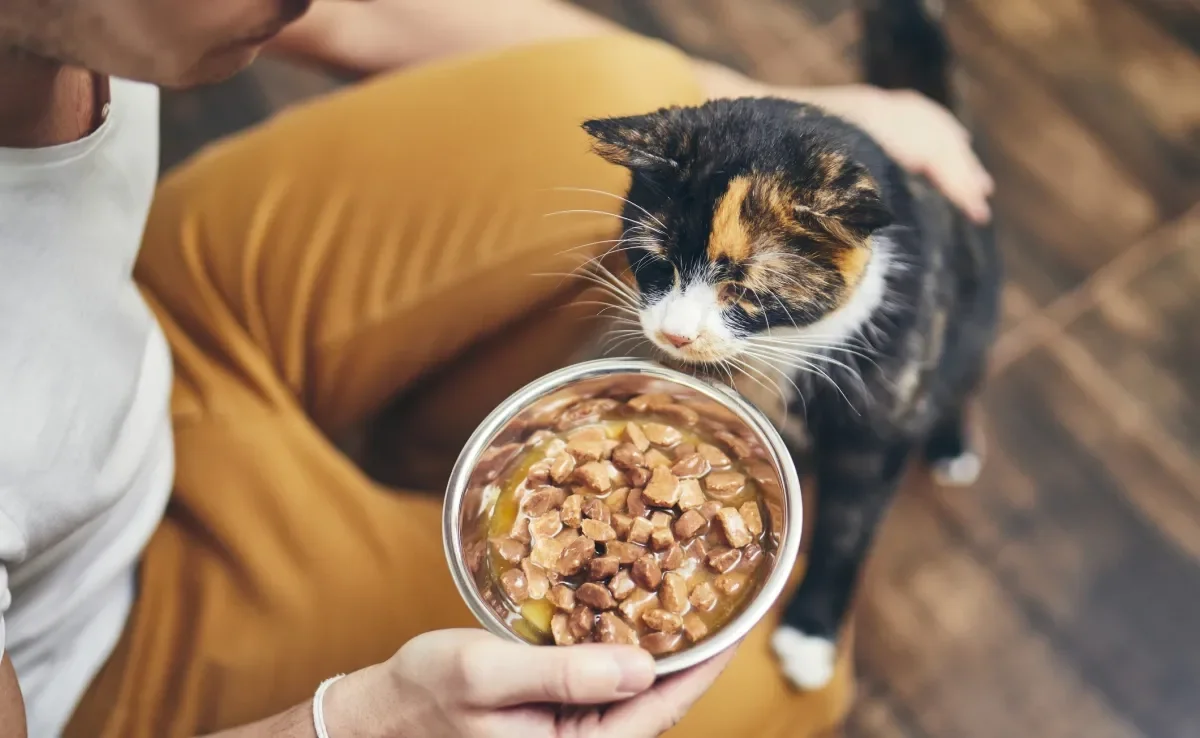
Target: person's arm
<point>369,36</point>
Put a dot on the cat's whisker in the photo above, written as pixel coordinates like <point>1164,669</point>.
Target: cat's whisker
<point>817,341</point>
<point>809,357</point>
<point>622,343</point>
<point>625,200</point>
<point>745,370</point>
<point>782,345</point>
<point>772,366</point>
<point>811,368</point>
<point>585,211</point>
<point>626,296</point>
<point>607,306</point>
<point>605,273</point>
<point>582,246</point>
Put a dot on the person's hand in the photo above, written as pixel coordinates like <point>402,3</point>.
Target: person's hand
<point>921,135</point>
<point>471,684</point>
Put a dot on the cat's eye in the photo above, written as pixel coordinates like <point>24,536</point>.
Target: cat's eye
<point>728,293</point>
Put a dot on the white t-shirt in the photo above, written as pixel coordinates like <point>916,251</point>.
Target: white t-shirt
<point>86,455</point>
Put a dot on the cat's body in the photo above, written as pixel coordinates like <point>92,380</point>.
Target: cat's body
<point>782,249</point>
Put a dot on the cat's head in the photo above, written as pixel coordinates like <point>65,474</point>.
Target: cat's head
<point>749,214</point>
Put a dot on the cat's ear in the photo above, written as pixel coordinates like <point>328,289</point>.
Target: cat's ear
<point>636,142</point>
<point>866,214</point>
<point>855,218</point>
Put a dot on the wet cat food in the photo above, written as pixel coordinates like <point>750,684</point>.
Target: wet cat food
<point>630,522</point>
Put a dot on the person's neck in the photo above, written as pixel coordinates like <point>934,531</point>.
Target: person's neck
<point>43,103</point>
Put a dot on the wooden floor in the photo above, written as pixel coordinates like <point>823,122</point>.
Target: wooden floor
<point>1060,598</point>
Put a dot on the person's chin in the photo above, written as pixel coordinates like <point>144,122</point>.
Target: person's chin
<point>216,66</point>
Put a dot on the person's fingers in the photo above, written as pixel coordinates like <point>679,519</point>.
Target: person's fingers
<point>959,175</point>
<point>487,672</point>
<point>660,708</point>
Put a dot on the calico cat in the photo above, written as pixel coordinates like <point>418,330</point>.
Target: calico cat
<point>780,248</point>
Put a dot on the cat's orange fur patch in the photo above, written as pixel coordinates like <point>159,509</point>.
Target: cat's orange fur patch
<point>730,236</point>
<point>851,262</point>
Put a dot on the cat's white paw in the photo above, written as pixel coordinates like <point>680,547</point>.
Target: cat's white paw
<point>961,471</point>
<point>807,661</point>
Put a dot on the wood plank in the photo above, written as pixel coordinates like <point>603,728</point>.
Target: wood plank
<point>1180,18</point>
<point>1054,176</point>
<point>1059,519</point>
<point>1146,336</point>
<point>954,648</point>
<point>1099,57</point>
<point>876,716</point>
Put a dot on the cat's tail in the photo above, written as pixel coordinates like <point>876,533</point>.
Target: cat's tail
<point>905,46</point>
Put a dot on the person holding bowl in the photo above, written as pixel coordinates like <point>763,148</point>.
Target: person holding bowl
<point>183,548</point>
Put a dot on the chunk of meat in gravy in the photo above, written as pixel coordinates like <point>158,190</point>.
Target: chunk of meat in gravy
<point>662,621</point>
<point>611,629</point>
<point>690,494</point>
<point>573,558</point>
<point>597,531</point>
<point>510,549</point>
<point>515,585</point>
<point>538,582</point>
<point>562,597</point>
<point>545,553</point>
<point>542,500</point>
<point>715,457</point>
<point>662,435</point>
<point>640,530</point>
<point>734,527</point>
<point>646,572</point>
<point>561,468</point>
<point>636,436</point>
<point>595,596</point>
<point>724,485</point>
<point>595,509</point>
<point>753,517</point>
<point>571,513</point>
<point>560,629</point>
<point>603,567</point>
<point>694,627</point>
<point>673,594</point>
<point>703,597</point>
<point>661,643</point>
<point>581,621</point>
<point>627,456</point>
<point>689,525</point>
<point>622,585</point>
<point>663,488</point>
<point>595,475</point>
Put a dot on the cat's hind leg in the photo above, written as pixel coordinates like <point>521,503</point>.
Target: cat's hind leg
<point>954,454</point>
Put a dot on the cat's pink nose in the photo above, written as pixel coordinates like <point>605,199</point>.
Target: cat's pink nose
<point>676,340</point>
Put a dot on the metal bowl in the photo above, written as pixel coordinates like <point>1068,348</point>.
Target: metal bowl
<point>502,437</point>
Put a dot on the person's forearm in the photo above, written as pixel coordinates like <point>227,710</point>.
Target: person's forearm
<point>369,36</point>
<point>294,723</point>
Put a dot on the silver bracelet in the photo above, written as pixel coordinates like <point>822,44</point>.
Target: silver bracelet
<point>318,706</point>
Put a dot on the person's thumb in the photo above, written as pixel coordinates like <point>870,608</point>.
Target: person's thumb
<point>493,673</point>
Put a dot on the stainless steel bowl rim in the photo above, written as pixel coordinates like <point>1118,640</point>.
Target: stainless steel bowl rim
<point>789,548</point>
